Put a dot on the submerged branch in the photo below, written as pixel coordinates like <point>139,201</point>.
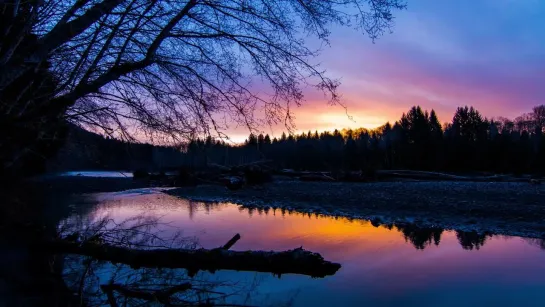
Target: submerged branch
<point>161,296</point>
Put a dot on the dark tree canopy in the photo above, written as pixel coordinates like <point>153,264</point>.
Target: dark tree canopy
<point>176,69</point>
<point>166,68</point>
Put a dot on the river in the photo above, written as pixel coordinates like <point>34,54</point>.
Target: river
<point>381,265</point>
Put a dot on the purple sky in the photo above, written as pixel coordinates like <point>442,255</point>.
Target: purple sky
<point>442,54</point>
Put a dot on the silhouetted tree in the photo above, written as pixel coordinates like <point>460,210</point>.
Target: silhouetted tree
<point>538,115</point>
<point>434,147</point>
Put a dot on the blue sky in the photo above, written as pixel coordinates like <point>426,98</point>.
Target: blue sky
<point>442,54</point>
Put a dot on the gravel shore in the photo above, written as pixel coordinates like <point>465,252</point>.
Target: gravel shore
<point>497,207</point>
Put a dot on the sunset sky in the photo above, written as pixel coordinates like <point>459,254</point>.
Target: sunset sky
<point>486,53</point>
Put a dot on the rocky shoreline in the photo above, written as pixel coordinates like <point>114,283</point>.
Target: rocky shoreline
<point>506,208</point>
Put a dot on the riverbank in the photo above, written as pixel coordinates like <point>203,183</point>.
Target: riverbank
<point>508,208</point>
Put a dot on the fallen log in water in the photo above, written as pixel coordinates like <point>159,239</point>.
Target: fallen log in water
<point>296,261</point>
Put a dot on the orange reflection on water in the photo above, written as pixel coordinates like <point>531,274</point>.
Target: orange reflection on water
<point>379,265</point>
<point>260,229</point>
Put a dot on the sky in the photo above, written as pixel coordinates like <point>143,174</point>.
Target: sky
<point>489,54</point>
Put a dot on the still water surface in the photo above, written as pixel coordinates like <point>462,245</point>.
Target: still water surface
<point>381,266</point>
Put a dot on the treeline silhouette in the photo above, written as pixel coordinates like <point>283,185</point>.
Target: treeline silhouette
<point>468,143</point>
<point>418,141</point>
<point>86,150</point>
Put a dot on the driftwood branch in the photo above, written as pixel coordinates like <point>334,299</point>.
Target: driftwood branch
<point>296,261</point>
<point>231,242</point>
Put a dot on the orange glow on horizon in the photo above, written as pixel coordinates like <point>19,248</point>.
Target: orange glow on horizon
<point>318,116</point>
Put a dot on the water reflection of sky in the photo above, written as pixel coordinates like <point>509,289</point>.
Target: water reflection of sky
<point>380,266</point>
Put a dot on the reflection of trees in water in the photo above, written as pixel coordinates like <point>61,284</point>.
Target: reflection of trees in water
<point>536,242</point>
<point>420,237</point>
<point>194,206</point>
<point>102,284</point>
<point>98,205</point>
<point>379,223</point>
<point>471,239</point>
<point>266,210</point>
